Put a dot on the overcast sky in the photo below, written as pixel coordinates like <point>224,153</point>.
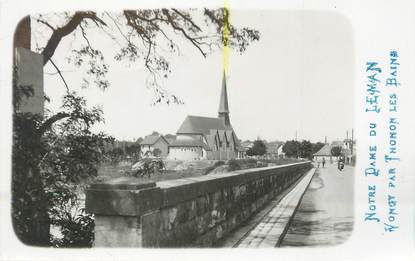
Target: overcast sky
<point>298,77</point>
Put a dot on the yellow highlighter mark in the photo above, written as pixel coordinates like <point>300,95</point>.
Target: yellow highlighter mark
<point>226,36</point>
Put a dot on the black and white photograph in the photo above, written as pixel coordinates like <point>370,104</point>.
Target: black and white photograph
<point>183,128</point>
<point>202,127</point>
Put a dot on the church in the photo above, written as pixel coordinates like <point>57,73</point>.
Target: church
<point>206,138</point>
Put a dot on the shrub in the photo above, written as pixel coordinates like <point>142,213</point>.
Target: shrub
<point>233,165</point>
<point>77,231</point>
<point>219,163</point>
<point>147,167</point>
<point>214,166</point>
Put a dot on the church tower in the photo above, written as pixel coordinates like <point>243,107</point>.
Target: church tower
<point>223,103</point>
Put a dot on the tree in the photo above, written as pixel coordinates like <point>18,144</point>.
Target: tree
<point>258,149</point>
<point>48,163</point>
<point>142,36</point>
<point>336,151</point>
<point>115,155</point>
<point>291,148</point>
<point>317,146</point>
<point>156,152</point>
<point>44,157</point>
<point>306,149</point>
<point>133,151</point>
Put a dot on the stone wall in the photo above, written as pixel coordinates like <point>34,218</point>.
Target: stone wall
<point>190,212</point>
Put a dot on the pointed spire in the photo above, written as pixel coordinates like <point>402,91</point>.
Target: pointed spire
<point>223,104</point>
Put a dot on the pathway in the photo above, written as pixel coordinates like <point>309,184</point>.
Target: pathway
<point>316,211</point>
<point>325,215</point>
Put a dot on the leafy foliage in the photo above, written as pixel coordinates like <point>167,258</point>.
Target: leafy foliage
<point>52,160</point>
<point>114,155</point>
<point>77,230</point>
<point>258,149</point>
<point>290,148</point>
<point>306,149</point>
<point>317,146</point>
<point>336,151</point>
<point>147,166</point>
<point>156,152</point>
<point>26,183</point>
<point>214,166</point>
<point>303,149</point>
<point>233,165</point>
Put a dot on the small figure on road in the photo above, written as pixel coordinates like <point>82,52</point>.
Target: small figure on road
<point>323,162</point>
<point>340,164</point>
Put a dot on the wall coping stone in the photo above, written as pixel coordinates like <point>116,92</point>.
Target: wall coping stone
<point>131,197</point>
<point>123,183</point>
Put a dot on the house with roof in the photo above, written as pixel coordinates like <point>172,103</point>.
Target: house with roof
<point>154,142</point>
<point>201,137</point>
<point>323,153</point>
<point>280,152</point>
<point>274,149</point>
<point>247,144</point>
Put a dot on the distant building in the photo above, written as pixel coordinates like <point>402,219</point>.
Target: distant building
<point>247,144</point>
<point>323,153</point>
<point>170,138</point>
<point>273,149</point>
<point>207,138</point>
<point>281,153</point>
<point>348,151</point>
<point>153,142</point>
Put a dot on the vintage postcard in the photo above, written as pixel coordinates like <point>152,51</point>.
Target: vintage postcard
<point>207,130</point>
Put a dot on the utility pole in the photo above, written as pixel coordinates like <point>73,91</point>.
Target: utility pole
<point>351,144</point>
<point>298,146</point>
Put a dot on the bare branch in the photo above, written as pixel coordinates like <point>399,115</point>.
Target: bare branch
<point>118,27</point>
<point>187,18</point>
<point>46,23</point>
<point>65,30</point>
<point>60,74</point>
<point>174,25</point>
<point>84,35</point>
<point>49,122</point>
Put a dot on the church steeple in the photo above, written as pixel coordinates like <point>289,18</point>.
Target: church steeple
<point>223,104</point>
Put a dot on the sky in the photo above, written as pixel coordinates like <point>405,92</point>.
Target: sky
<point>298,78</point>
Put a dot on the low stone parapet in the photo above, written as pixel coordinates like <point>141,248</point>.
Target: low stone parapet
<point>188,212</point>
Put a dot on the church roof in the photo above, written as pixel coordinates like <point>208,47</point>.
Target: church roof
<point>223,104</point>
<point>324,151</point>
<point>201,125</point>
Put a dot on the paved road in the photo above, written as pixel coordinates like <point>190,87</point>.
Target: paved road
<point>325,214</point>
